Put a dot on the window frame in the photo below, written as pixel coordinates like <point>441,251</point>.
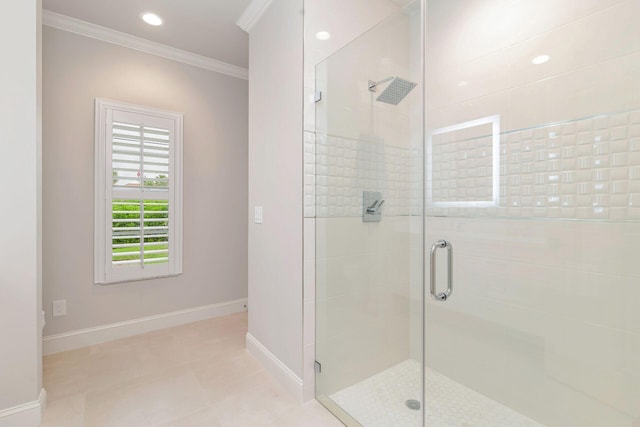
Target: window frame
<point>104,273</point>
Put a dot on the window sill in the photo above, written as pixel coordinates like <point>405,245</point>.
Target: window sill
<point>138,279</point>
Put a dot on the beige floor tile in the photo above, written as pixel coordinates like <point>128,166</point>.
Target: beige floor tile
<point>68,412</point>
<point>147,401</point>
<point>216,390</point>
<point>113,367</point>
<point>249,418</point>
<point>310,414</point>
<point>65,374</point>
<point>246,411</point>
<point>214,371</point>
<point>161,353</point>
<point>66,358</point>
<point>213,348</point>
<point>208,330</point>
<point>113,345</point>
<point>192,375</point>
<point>205,418</point>
<point>61,385</point>
<point>265,399</point>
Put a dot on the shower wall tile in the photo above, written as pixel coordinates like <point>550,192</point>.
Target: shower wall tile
<point>574,245</point>
<point>577,295</point>
<point>590,55</point>
<point>532,295</point>
<point>513,345</point>
<point>583,169</point>
<point>309,174</point>
<point>344,168</point>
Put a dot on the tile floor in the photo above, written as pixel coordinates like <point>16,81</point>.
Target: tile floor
<point>192,375</point>
<point>379,401</point>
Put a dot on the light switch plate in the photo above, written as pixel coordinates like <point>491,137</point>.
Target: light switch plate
<point>258,215</point>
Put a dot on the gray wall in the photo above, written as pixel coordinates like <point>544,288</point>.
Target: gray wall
<point>275,181</point>
<point>20,353</point>
<point>76,70</point>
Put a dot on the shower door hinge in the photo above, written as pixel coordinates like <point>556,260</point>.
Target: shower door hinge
<point>317,367</point>
<point>317,97</point>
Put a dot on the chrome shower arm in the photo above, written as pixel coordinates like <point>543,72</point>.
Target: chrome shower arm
<point>372,84</point>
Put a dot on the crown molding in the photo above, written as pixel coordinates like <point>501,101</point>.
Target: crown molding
<point>252,14</point>
<point>87,29</point>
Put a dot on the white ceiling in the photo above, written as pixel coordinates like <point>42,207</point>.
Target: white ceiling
<point>355,18</point>
<point>205,27</point>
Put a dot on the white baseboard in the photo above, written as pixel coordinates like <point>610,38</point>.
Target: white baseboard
<point>283,374</point>
<point>42,399</point>
<point>91,336</point>
<point>26,415</point>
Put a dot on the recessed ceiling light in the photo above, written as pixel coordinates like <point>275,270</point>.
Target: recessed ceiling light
<point>323,35</point>
<point>151,19</point>
<point>541,59</point>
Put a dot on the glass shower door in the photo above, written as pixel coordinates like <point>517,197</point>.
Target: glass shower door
<point>368,193</point>
<point>532,181</point>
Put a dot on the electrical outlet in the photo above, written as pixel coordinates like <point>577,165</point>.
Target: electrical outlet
<point>60,308</point>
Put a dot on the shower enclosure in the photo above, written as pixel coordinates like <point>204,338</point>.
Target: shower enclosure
<point>473,178</point>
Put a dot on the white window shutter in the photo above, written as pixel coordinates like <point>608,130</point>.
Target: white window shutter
<point>138,193</point>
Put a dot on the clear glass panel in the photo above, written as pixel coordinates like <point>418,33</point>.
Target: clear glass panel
<point>368,216</point>
<point>532,153</point>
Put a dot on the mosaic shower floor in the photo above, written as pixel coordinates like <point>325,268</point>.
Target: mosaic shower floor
<point>379,401</point>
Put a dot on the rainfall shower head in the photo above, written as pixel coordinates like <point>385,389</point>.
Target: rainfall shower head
<point>395,92</point>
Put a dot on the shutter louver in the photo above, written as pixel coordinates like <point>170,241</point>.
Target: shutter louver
<point>155,154</point>
<point>140,232</point>
<point>140,157</point>
<point>140,165</point>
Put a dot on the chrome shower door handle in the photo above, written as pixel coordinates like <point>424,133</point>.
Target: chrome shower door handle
<point>441,296</point>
